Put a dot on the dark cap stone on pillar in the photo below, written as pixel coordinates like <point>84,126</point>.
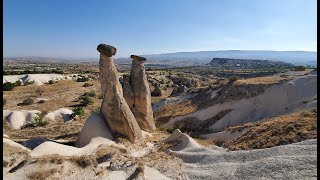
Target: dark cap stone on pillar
<point>107,50</point>
<point>138,58</point>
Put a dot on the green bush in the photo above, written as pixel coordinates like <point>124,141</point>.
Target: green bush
<point>233,78</point>
<point>18,83</point>
<point>25,102</point>
<point>39,120</point>
<point>85,100</point>
<point>171,130</point>
<point>8,86</point>
<point>77,111</point>
<point>87,84</point>
<point>91,94</point>
<point>97,110</point>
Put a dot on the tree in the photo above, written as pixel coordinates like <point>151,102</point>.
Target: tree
<point>8,86</point>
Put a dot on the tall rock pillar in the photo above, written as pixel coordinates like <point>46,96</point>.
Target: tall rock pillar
<point>114,108</point>
<point>142,108</point>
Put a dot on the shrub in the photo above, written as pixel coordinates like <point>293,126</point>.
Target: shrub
<point>77,111</point>
<point>85,100</point>
<point>171,130</point>
<point>233,78</point>
<point>85,161</point>
<point>8,86</point>
<point>39,120</point>
<point>306,113</point>
<point>50,82</point>
<point>91,94</point>
<point>17,83</point>
<point>87,84</point>
<point>25,102</point>
<point>96,110</point>
<point>299,68</point>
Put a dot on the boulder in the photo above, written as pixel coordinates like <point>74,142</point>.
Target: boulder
<point>180,90</point>
<point>19,119</point>
<point>114,107</point>
<point>95,126</point>
<point>157,91</point>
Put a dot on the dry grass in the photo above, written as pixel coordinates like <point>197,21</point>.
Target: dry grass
<point>285,129</point>
<point>261,80</point>
<point>10,150</point>
<point>164,114</point>
<point>85,161</point>
<point>60,94</point>
<point>42,174</point>
<point>54,159</point>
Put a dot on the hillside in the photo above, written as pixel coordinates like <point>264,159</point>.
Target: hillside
<point>247,63</point>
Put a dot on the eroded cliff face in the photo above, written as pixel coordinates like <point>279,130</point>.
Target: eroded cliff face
<point>114,107</point>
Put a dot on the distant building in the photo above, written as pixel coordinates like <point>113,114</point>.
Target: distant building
<point>237,65</point>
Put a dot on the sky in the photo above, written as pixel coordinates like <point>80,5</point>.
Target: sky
<point>74,28</point>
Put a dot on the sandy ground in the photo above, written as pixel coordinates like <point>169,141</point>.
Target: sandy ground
<point>294,161</point>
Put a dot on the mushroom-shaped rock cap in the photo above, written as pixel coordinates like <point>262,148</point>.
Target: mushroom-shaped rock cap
<point>107,50</point>
<point>138,58</point>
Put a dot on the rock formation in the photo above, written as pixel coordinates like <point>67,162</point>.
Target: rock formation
<point>157,91</point>
<point>141,108</point>
<point>127,91</point>
<point>95,126</point>
<point>114,108</point>
<point>177,91</point>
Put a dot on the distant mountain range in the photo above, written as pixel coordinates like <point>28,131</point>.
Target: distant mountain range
<point>294,57</point>
<point>200,57</point>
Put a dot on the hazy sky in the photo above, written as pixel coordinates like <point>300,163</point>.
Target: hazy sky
<point>74,28</point>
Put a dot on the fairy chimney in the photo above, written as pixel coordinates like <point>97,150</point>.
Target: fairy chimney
<point>114,107</point>
<point>142,108</point>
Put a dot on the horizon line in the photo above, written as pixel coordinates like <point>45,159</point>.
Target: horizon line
<point>159,53</point>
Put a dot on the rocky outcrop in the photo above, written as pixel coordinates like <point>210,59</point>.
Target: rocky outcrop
<point>177,91</point>
<point>141,107</point>
<point>95,126</point>
<point>157,91</point>
<point>114,107</point>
